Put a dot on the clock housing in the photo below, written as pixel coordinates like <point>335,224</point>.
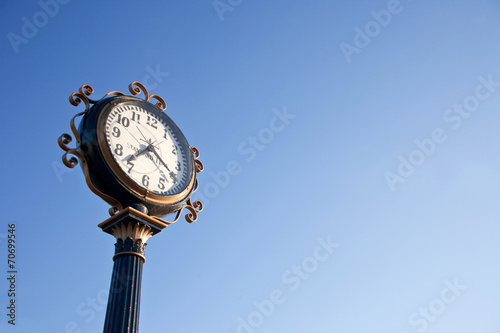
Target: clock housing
<point>137,155</point>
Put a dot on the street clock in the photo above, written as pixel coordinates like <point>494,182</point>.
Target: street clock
<point>136,159</point>
<point>133,154</point>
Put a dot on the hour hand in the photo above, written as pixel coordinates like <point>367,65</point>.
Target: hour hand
<point>140,152</point>
<point>136,154</point>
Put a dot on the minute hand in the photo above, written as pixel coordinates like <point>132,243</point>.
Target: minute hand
<point>152,149</point>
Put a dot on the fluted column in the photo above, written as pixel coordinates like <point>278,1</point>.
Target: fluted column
<point>131,229</point>
<point>122,314</point>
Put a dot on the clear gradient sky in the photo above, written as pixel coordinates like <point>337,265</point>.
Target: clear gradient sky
<point>351,152</point>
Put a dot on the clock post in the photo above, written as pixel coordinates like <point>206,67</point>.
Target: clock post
<point>136,159</point>
<point>131,229</point>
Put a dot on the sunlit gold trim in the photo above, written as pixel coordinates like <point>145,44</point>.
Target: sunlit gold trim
<point>155,221</point>
<point>158,198</point>
<point>132,230</point>
<point>129,253</point>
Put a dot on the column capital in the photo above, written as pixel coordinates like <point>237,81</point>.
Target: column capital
<point>131,239</point>
<point>132,229</point>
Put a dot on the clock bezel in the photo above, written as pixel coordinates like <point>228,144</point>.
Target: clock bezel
<point>118,172</point>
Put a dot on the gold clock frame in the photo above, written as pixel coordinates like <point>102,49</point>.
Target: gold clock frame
<point>122,176</point>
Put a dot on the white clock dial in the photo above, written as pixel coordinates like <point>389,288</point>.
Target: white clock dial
<point>148,149</point>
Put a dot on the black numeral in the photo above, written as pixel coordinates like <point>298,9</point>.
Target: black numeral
<point>161,184</point>
<point>178,166</point>
<point>119,149</point>
<point>116,132</point>
<point>152,122</point>
<point>129,162</point>
<point>136,117</point>
<point>123,120</point>
<point>145,180</point>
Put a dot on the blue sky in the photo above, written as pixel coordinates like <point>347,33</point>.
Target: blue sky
<point>352,174</point>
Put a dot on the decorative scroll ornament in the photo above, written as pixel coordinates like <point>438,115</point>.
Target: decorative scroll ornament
<point>73,156</point>
<point>193,208</point>
<point>136,88</point>
<point>198,165</point>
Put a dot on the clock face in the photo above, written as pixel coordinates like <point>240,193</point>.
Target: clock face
<point>148,148</point>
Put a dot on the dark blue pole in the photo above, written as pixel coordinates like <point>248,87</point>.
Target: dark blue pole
<point>122,314</point>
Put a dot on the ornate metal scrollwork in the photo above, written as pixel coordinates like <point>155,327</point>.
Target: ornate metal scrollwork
<point>136,88</point>
<point>193,208</point>
<point>72,156</point>
<point>198,165</point>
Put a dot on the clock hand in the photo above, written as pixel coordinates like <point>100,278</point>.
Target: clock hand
<point>126,129</point>
<point>133,137</point>
<point>156,145</point>
<point>145,140</point>
<point>138,153</point>
<point>174,177</point>
<point>153,150</point>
